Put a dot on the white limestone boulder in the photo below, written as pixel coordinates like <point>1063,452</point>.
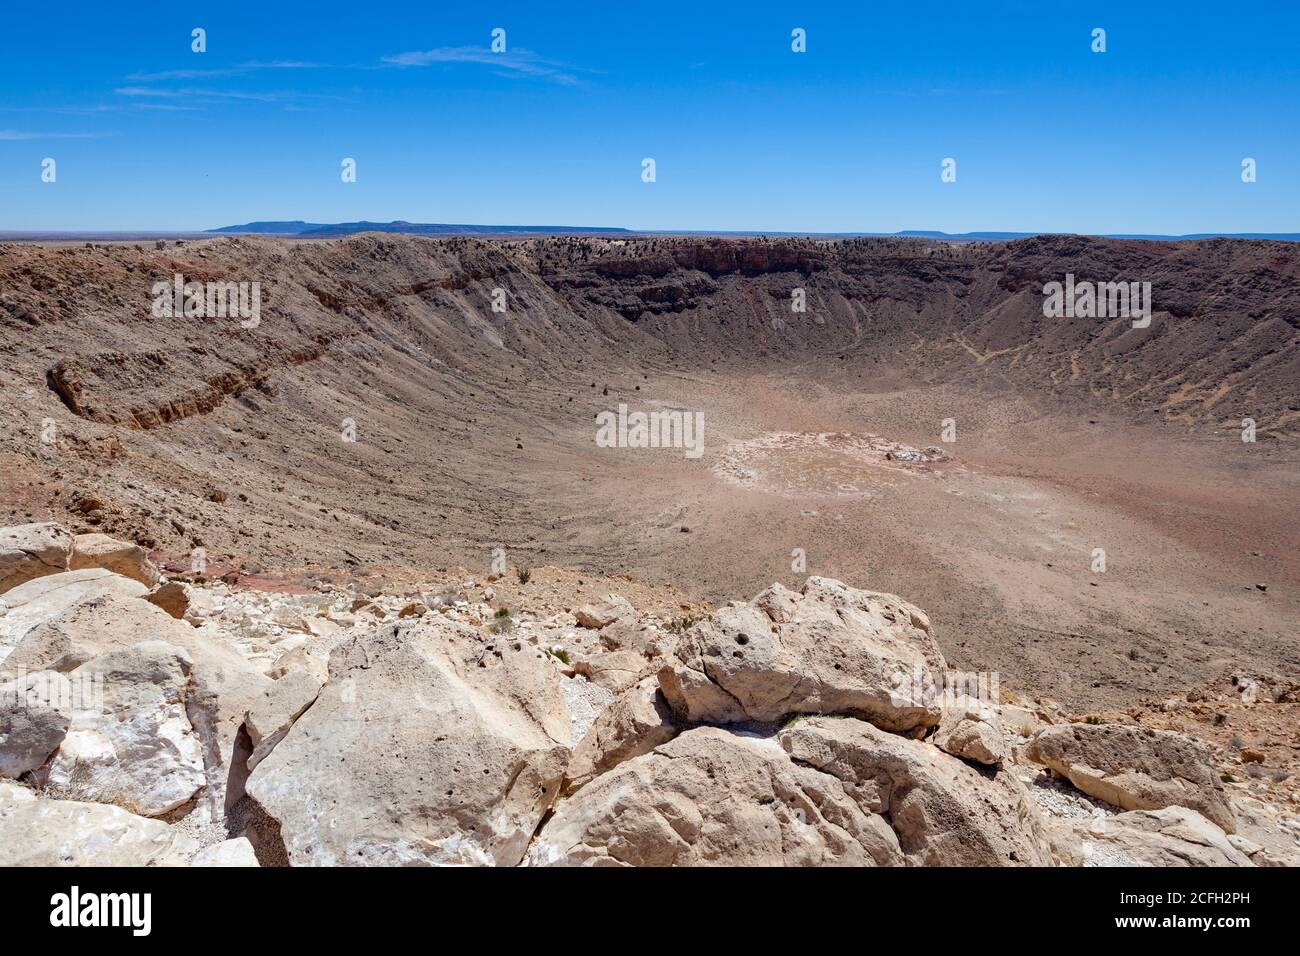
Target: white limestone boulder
<point>121,557</point>
<point>29,551</point>
<point>431,743</point>
<point>829,649</point>
<point>35,831</point>
<point>136,750</point>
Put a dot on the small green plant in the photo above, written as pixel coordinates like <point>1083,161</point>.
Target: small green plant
<point>502,622</point>
<point>562,654</point>
<point>525,575</point>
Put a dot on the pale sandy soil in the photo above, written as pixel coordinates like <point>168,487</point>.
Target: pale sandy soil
<point>996,541</point>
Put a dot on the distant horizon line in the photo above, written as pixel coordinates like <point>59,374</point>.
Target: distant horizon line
<point>297,228</point>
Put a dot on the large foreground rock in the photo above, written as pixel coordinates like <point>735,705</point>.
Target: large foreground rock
<point>172,596</point>
<point>612,670</point>
<point>236,852</point>
<point>1135,768</point>
<point>34,720</point>
<point>1173,836</point>
<point>644,638</point>
<point>824,791</point>
<point>44,601</point>
<point>970,728</point>
<point>282,703</point>
<point>29,551</point>
<point>431,743</point>
<point>636,722</point>
<point>38,832</point>
<point>945,811</point>
<point>65,620</point>
<point>711,797</point>
<point>300,660</point>
<point>138,750</point>
<point>829,649</point>
<point>604,613</point>
<point>1266,832</point>
<point>121,557</point>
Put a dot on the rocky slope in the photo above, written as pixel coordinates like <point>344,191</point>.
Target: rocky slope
<point>166,722</point>
<point>1222,343</point>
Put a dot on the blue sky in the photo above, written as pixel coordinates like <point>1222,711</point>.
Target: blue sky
<point>849,136</point>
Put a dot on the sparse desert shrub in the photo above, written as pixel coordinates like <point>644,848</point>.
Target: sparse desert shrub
<point>446,597</point>
<point>524,574</point>
<point>680,625</point>
<point>502,622</point>
<point>80,787</point>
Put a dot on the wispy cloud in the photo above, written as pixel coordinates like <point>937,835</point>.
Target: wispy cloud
<point>205,94</point>
<point>242,69</point>
<point>145,96</point>
<point>94,110</point>
<point>517,63</point>
<point>20,134</point>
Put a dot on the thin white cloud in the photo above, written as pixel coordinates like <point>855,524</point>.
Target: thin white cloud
<point>94,110</point>
<point>144,91</point>
<point>171,98</point>
<point>515,63</point>
<point>21,134</point>
<point>212,95</point>
<point>241,69</point>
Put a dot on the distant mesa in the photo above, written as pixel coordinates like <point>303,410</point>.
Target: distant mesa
<point>1008,236</point>
<point>297,227</point>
